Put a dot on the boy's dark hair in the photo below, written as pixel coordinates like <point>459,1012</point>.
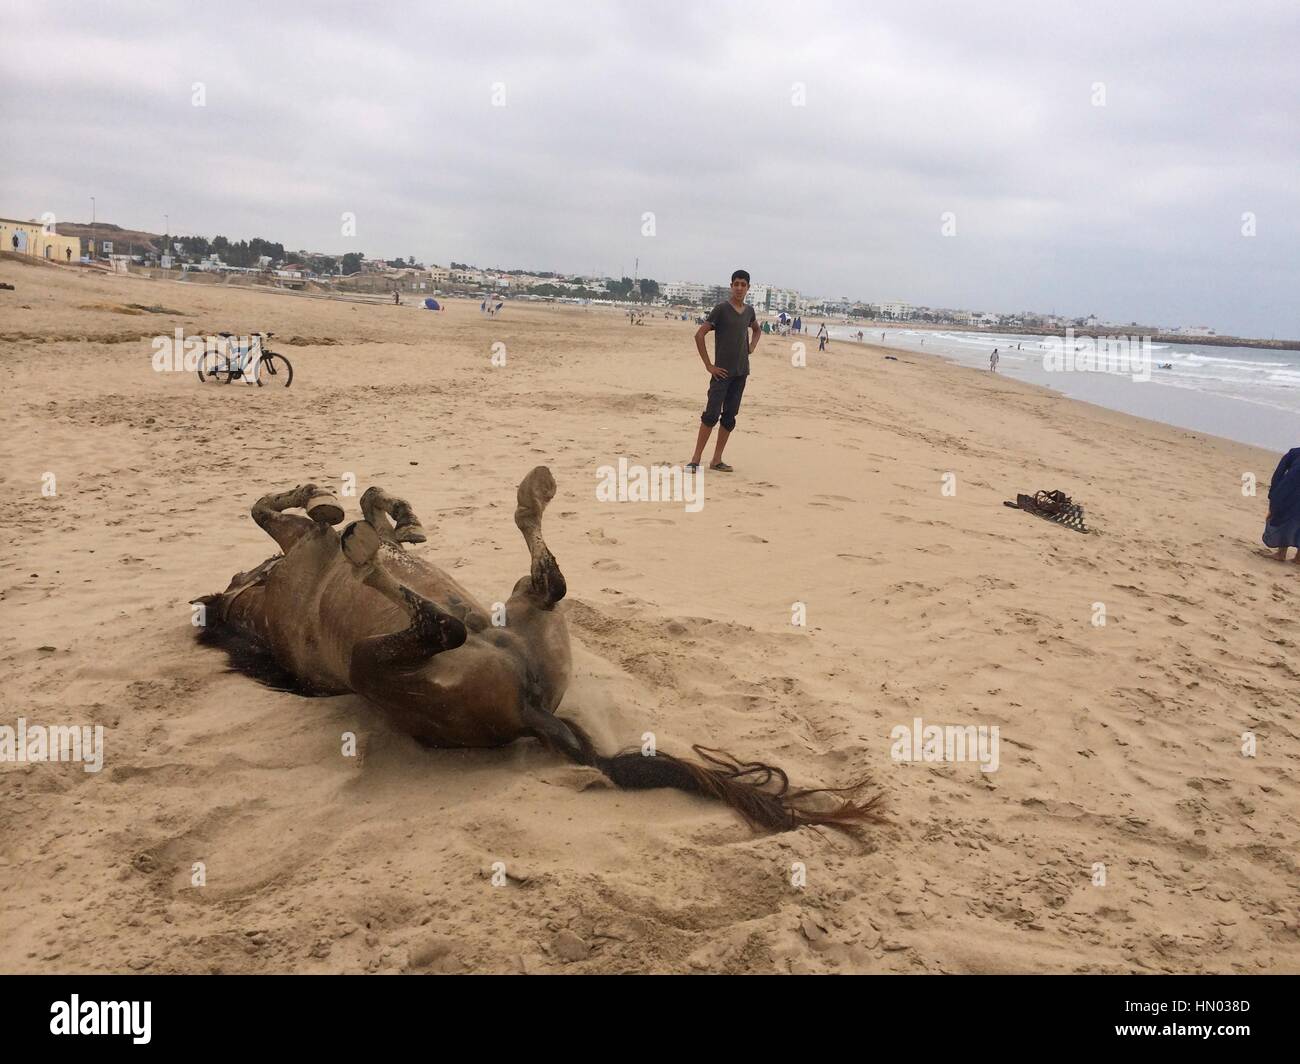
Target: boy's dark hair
<point>742,275</point>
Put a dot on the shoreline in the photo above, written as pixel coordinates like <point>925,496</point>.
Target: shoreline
<point>1096,408</point>
<point>1187,409</point>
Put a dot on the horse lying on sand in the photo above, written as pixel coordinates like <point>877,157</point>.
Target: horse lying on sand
<point>356,612</point>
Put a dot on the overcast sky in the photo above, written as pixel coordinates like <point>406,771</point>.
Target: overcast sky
<point>1131,210</point>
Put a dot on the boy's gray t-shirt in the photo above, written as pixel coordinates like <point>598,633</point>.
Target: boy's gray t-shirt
<point>731,337</point>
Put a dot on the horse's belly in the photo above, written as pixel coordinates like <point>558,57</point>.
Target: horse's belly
<point>316,615</point>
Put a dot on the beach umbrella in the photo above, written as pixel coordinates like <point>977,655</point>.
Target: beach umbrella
<point>431,304</point>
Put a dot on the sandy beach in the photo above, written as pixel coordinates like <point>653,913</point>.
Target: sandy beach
<point>1121,744</point>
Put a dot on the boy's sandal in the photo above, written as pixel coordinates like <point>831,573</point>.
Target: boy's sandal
<point>722,467</point>
<point>692,467</point>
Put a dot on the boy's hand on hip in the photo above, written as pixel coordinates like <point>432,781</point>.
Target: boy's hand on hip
<point>718,372</point>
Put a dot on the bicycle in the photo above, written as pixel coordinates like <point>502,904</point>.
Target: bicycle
<point>234,360</point>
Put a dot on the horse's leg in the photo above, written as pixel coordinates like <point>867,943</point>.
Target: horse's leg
<point>431,631</point>
<point>377,506</point>
<point>544,586</point>
<point>287,529</point>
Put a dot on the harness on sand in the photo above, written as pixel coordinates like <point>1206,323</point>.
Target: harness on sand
<point>1053,506</point>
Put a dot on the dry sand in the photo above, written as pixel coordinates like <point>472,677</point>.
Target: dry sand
<point>1121,744</point>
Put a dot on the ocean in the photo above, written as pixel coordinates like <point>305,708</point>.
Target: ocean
<point>1241,393</point>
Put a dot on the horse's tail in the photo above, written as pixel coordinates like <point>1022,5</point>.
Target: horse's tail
<point>757,791</point>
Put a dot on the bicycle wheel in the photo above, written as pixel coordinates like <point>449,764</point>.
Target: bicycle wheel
<point>211,366</point>
<point>273,368</point>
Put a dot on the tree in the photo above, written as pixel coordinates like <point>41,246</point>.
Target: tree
<point>649,289</point>
<point>192,247</point>
<point>352,262</point>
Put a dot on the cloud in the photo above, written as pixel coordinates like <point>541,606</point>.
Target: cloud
<point>1131,209</point>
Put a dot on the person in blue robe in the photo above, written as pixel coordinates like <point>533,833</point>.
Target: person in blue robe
<point>1282,526</point>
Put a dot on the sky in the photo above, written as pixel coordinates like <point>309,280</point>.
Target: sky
<point>1082,158</point>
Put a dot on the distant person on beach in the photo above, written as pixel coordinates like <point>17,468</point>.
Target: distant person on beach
<point>735,335</point>
<point>993,360</point>
<point>1282,526</point>
<point>822,336</point>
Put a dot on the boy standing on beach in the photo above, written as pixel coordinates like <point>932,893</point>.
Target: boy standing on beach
<point>736,332</point>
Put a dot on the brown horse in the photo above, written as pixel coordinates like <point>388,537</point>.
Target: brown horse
<point>357,612</point>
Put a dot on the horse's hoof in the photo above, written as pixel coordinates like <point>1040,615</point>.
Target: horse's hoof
<point>360,543</point>
<point>324,509</point>
<point>411,533</point>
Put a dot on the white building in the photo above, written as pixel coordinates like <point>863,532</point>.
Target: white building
<point>896,310</point>
<point>685,291</point>
<point>757,296</point>
<point>786,299</point>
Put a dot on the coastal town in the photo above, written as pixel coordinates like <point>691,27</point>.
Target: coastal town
<point>262,262</point>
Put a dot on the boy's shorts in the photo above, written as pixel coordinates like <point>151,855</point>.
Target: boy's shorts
<point>724,401</point>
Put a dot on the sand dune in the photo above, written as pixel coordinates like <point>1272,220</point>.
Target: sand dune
<point>1121,745</point>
